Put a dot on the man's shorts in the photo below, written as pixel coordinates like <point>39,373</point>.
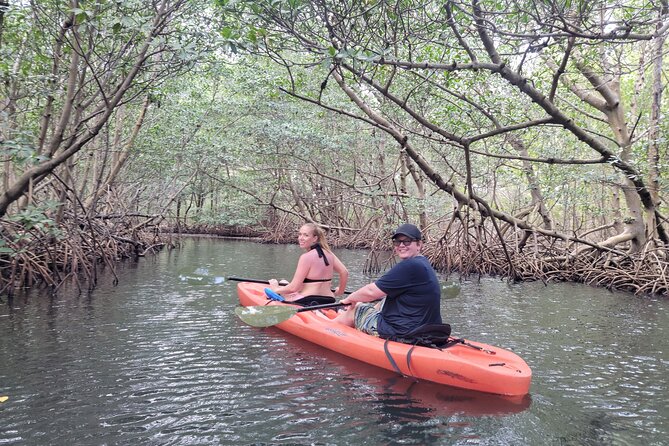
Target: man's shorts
<point>367,318</point>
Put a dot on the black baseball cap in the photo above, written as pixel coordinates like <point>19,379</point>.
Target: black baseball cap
<point>409,230</point>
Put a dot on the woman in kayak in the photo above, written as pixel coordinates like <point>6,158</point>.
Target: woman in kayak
<point>315,268</point>
<point>410,289</point>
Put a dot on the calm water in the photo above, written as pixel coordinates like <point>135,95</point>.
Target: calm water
<point>161,359</point>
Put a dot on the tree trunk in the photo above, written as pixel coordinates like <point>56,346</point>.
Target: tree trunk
<point>654,127</point>
<point>61,149</point>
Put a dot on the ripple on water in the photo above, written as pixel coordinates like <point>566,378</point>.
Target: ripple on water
<point>159,360</point>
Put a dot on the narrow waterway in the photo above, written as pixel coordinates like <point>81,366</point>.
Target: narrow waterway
<point>161,359</point>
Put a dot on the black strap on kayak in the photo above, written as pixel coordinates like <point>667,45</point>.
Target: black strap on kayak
<point>392,360</point>
<point>409,359</point>
<point>429,335</point>
<point>394,364</point>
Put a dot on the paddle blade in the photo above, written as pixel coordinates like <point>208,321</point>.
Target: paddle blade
<point>265,316</point>
<point>450,290</point>
<point>201,276</point>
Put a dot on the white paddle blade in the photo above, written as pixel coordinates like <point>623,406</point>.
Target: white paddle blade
<point>265,316</point>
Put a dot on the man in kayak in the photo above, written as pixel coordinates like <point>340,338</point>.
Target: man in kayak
<point>411,290</point>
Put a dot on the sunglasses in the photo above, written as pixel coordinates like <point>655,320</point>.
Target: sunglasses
<point>402,242</point>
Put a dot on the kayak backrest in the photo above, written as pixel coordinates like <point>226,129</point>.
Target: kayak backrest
<point>430,335</point>
<point>310,301</point>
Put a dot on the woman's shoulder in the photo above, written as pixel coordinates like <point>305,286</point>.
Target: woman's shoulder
<point>309,255</point>
<point>312,256</point>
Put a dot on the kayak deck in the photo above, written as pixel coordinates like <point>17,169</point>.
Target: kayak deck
<point>469,365</point>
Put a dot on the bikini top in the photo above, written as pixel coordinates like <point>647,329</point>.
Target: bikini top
<point>315,280</point>
<point>322,255</point>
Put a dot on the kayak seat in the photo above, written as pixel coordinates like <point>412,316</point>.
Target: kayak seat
<point>310,301</point>
<point>429,335</point>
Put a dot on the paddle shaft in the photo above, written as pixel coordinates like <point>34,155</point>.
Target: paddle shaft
<point>242,279</point>
<point>321,307</point>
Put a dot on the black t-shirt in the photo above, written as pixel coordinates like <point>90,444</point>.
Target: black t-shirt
<point>413,297</point>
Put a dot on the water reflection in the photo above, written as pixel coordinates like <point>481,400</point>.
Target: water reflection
<point>396,395</point>
<point>161,359</point>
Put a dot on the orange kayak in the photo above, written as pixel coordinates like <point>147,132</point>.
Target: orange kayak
<point>466,364</point>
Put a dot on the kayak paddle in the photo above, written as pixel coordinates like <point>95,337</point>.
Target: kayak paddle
<point>242,279</point>
<point>268,315</point>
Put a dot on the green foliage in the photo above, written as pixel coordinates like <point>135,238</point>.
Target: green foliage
<point>36,217</point>
<point>466,103</point>
<point>224,135</point>
<point>5,249</point>
<point>20,151</point>
<point>28,225</point>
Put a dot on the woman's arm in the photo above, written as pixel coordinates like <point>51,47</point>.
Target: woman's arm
<point>297,282</point>
<point>343,275</point>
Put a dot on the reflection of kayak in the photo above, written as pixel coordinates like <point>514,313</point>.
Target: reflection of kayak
<point>468,365</point>
<point>404,395</point>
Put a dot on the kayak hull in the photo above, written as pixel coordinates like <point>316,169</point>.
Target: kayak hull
<point>473,365</point>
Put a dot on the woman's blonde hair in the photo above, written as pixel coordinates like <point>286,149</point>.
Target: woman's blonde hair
<point>320,233</point>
